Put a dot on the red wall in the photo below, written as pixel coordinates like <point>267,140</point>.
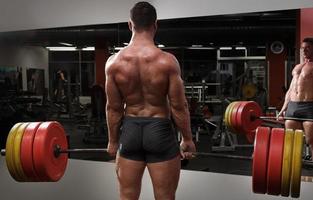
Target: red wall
<point>276,68</point>
<point>101,56</point>
<point>276,77</point>
<point>304,28</point>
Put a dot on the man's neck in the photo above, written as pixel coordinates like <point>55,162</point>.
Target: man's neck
<point>145,37</point>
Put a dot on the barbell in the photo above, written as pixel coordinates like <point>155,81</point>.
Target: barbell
<point>243,117</point>
<point>38,152</point>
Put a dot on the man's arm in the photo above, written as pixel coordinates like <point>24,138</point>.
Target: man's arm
<point>287,99</point>
<point>114,108</point>
<point>179,109</point>
<point>178,102</point>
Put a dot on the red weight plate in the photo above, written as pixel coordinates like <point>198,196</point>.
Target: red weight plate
<point>275,161</point>
<point>236,115</point>
<point>245,113</point>
<point>233,117</point>
<point>27,151</point>
<point>260,156</point>
<point>49,167</point>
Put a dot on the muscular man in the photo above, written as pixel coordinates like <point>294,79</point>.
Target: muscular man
<point>144,90</point>
<point>299,97</point>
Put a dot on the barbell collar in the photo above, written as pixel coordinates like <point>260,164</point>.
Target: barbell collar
<point>2,152</point>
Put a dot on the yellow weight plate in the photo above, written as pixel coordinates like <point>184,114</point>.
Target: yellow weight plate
<point>9,151</point>
<point>231,127</point>
<point>295,181</point>
<point>17,152</point>
<point>226,114</point>
<point>286,166</point>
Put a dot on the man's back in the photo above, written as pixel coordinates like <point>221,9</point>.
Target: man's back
<point>141,74</point>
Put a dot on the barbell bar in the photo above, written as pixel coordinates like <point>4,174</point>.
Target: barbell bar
<point>58,151</point>
<point>286,118</point>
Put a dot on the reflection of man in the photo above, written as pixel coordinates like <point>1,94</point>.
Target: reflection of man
<point>18,77</point>
<point>144,89</point>
<point>33,81</point>
<point>59,88</point>
<point>299,97</point>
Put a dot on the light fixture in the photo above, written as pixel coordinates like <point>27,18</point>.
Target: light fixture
<point>70,48</point>
<point>88,49</point>
<point>225,48</point>
<point>241,48</point>
<point>66,44</point>
<point>61,48</point>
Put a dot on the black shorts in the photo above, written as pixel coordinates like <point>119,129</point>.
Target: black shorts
<point>300,109</point>
<point>148,139</point>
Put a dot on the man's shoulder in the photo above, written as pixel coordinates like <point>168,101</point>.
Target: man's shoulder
<point>111,64</point>
<point>168,58</point>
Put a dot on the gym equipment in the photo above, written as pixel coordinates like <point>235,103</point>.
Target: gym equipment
<point>45,149</point>
<point>96,128</point>
<point>243,117</point>
<point>249,90</point>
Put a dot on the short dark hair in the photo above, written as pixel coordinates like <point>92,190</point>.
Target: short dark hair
<point>143,15</point>
<point>308,40</point>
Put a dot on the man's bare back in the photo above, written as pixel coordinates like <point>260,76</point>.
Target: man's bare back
<point>302,83</point>
<point>142,77</point>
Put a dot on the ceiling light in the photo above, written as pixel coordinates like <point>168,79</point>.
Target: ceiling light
<point>241,48</point>
<point>88,49</point>
<point>118,48</point>
<point>225,48</point>
<point>66,44</point>
<point>61,48</point>
<point>196,45</point>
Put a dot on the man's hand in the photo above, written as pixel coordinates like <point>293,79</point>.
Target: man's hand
<point>280,115</point>
<point>187,148</point>
<point>112,148</point>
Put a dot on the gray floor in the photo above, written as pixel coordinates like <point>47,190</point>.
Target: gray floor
<point>92,180</point>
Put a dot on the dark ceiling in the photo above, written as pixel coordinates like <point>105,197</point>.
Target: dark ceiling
<point>244,29</point>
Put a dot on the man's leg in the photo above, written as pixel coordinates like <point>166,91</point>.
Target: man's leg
<point>308,130</point>
<point>129,173</point>
<point>165,177</point>
<point>292,124</point>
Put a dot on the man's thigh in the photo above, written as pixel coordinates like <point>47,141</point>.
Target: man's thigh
<point>308,130</point>
<point>292,124</point>
<point>129,172</point>
<point>165,176</point>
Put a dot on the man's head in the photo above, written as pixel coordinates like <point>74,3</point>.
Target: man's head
<point>307,47</point>
<point>143,16</point>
